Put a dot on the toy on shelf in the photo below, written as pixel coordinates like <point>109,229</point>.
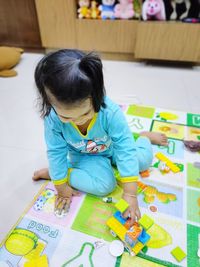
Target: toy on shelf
<point>95,12</point>
<point>135,237</point>
<point>174,4</point>
<point>153,9</point>
<point>107,9</point>
<point>84,11</point>
<point>167,162</point>
<point>124,9</point>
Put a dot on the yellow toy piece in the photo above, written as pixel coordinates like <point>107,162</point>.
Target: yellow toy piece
<point>168,162</point>
<point>146,222</point>
<point>38,262</point>
<point>121,205</point>
<point>138,246</point>
<point>117,227</point>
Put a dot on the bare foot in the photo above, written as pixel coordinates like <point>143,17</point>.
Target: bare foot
<point>156,138</point>
<point>41,174</point>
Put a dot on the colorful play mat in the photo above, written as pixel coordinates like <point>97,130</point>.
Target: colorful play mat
<point>82,238</point>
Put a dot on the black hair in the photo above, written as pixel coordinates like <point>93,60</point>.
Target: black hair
<point>70,76</point>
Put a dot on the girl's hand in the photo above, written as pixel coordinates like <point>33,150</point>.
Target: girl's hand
<point>133,210</point>
<point>63,198</point>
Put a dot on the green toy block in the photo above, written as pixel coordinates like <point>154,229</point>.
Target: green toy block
<point>146,222</point>
<point>121,205</point>
<point>178,254</point>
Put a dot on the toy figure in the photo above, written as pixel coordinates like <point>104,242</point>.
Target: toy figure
<point>107,9</point>
<point>124,10</point>
<point>9,57</point>
<point>174,4</point>
<point>84,11</point>
<point>153,9</point>
<point>95,12</point>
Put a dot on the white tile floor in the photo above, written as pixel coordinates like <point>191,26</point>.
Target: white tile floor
<point>22,148</point>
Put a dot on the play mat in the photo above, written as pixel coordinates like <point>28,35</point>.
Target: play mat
<point>81,238</point>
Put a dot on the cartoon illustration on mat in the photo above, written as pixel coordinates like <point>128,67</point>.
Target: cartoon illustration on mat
<point>84,257</point>
<point>26,244</point>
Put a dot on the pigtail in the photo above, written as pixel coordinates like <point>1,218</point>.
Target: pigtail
<point>92,66</point>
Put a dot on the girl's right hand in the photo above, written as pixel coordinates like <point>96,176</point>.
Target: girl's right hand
<point>63,198</point>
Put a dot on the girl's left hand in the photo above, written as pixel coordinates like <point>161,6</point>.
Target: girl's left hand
<point>133,210</point>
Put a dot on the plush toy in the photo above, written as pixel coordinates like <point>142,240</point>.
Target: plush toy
<point>84,11</point>
<point>95,12</point>
<point>9,57</point>
<point>107,9</point>
<point>124,10</point>
<point>153,9</point>
<point>174,4</point>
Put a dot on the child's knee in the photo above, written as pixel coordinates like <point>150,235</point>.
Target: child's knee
<point>105,188</point>
<point>146,160</point>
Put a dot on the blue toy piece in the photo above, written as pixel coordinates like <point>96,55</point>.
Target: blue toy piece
<point>119,217</point>
<point>144,237</point>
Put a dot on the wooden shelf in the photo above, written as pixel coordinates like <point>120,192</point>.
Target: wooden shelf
<point>168,40</point>
<point>60,28</point>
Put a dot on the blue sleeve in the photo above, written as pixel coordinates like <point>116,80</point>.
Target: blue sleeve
<point>125,153</point>
<point>57,150</point>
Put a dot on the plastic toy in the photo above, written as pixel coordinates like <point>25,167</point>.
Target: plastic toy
<point>95,12</point>
<point>174,4</point>
<point>163,167</point>
<point>124,10</point>
<point>107,9</point>
<point>135,237</point>
<point>84,11</point>
<point>168,162</point>
<point>178,254</point>
<point>153,9</point>
<point>145,174</point>
<point>9,57</point>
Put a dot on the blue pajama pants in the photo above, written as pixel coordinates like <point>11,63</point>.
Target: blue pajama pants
<point>94,174</point>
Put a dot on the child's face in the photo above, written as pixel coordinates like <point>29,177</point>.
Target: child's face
<point>79,113</point>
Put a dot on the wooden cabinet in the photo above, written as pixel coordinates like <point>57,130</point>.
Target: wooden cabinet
<point>19,24</point>
<point>60,28</point>
<point>169,41</point>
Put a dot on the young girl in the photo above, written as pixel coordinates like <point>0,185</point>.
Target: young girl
<point>86,133</point>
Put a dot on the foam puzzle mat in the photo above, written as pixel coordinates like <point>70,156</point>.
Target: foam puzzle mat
<point>172,200</point>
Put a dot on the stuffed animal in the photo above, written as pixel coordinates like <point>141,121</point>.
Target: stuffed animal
<point>84,11</point>
<point>124,10</point>
<point>174,4</point>
<point>95,12</point>
<point>9,57</point>
<point>107,9</point>
<point>153,9</point>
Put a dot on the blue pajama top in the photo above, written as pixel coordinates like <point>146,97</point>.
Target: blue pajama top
<point>108,134</point>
